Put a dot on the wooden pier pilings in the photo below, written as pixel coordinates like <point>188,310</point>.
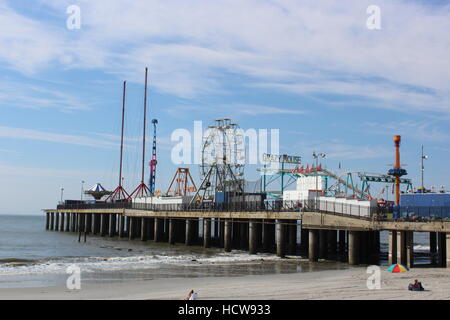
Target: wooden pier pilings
<point>282,236</point>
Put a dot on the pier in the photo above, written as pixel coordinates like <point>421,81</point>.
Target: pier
<point>314,234</point>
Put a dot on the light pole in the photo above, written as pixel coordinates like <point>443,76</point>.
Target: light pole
<point>316,156</point>
<point>82,189</point>
<point>62,193</point>
<point>423,157</point>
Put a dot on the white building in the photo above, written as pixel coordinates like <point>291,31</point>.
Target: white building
<point>307,187</point>
<point>164,203</point>
<point>306,192</point>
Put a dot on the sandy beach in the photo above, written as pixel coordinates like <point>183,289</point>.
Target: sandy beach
<point>338,284</point>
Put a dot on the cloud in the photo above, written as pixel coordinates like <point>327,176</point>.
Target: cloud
<point>26,44</point>
<point>29,134</point>
<point>336,150</point>
<point>163,143</point>
<point>7,150</point>
<point>196,48</point>
<point>353,152</point>
<point>27,95</point>
<point>419,130</point>
<point>234,109</point>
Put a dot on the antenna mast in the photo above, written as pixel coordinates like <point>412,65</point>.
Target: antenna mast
<point>120,193</point>
<point>142,189</point>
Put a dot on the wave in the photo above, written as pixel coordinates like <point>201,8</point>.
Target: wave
<point>16,260</point>
<point>421,247</point>
<point>105,264</point>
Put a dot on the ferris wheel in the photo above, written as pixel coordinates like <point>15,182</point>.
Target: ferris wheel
<point>222,159</point>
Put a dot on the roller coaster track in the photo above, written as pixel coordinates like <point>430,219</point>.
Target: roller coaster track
<point>349,186</point>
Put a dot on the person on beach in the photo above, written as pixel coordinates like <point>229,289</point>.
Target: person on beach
<point>191,295</point>
<point>416,286</point>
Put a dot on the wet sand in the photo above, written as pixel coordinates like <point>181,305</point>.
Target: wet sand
<point>331,284</point>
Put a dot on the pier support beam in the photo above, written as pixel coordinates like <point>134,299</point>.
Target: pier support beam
<point>87,222</point>
<point>222,233</point>
<point>172,231</point>
<point>57,221</point>
<point>206,232</point>
<point>61,225</point>
<point>236,234</point>
<point>433,247</point>
<point>181,231</point>
<point>292,231</point>
<point>353,247</point>
<point>268,235</point>
<point>103,224</point>
<point>243,235</point>
<point>132,228</point>
<point>304,241</point>
<point>68,221</point>
<point>375,238</point>
<point>342,245</point>
<point>71,221</point>
<point>405,248</point>
<point>374,247</point>
<point>410,249</point>
<point>227,235</point>
<point>189,232</point>
<point>159,230</point>
<point>313,241</point>
<point>144,229</point>
<point>392,254</point>
<point>112,225</point>
<point>79,224</point>
<point>121,226</point>
<point>252,238</point>
<point>47,221</point>
<point>94,223</point>
<point>364,247</point>
<point>323,244</point>
<point>215,233</point>
<point>52,221</point>
<point>442,250</point>
<point>150,228</point>
<point>281,238</point>
<point>332,244</point>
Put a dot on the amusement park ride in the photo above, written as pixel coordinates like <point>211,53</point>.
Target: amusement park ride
<point>142,190</point>
<point>222,170</point>
<point>120,194</point>
<point>222,163</point>
<point>336,185</point>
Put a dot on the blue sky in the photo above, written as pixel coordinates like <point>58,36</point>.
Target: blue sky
<point>311,69</point>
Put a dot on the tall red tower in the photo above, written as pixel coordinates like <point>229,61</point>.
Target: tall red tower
<point>397,172</point>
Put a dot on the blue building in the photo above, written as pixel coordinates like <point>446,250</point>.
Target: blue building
<point>425,205</point>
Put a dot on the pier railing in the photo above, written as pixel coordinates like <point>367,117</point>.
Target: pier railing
<point>247,206</point>
<point>407,213</point>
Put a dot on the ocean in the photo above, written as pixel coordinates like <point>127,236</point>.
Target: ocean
<point>30,256</point>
